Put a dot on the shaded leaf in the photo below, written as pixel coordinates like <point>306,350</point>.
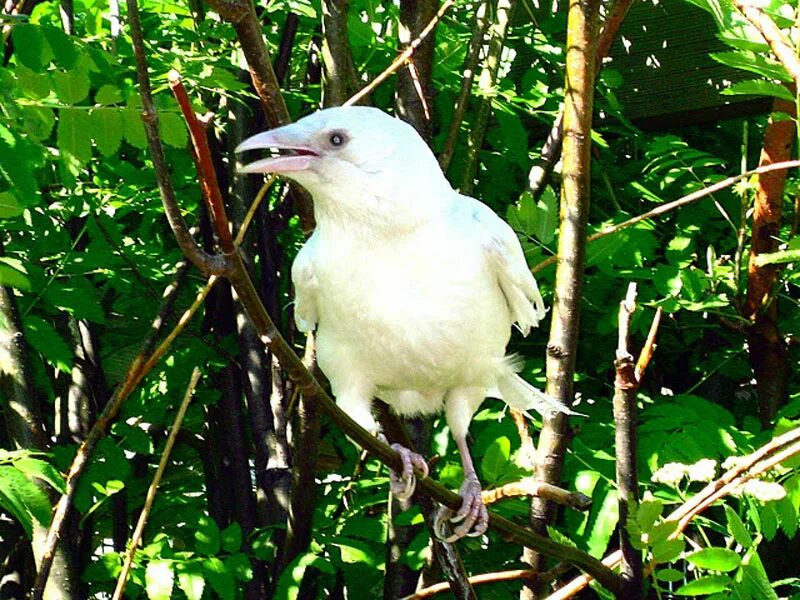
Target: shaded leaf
<point>709,584</point>
<point>9,207</point>
<point>74,135</point>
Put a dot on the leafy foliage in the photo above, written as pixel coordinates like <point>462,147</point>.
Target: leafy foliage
<point>85,245</point>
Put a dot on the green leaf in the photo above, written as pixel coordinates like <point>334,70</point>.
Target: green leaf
<point>71,86</point>
<point>232,538</point>
<point>13,277</point>
<point>24,499</point>
<point>43,337</point>
<point>715,559</point>
<point>159,579</point>
<point>219,577</point>
<point>606,517</point>
<point>133,128</point>
<point>30,46</point>
<point>648,512</point>
<point>737,529</point>
<point>172,128</point>
<point>547,216</point>
<point>39,122</point>
<point>755,580</point>
<point>207,538</point>
<point>753,63</point>
<point>710,584</point>
<point>759,87</point>
<point>35,468</point>
<point>74,135</point>
<point>107,95</point>
<point>9,207</point>
<point>496,459</point>
<point>669,575</point>
<point>776,258</point>
<point>62,45</point>
<point>191,580</point>
<point>289,583</point>
<point>239,566</point>
<point>668,550</point>
<point>107,130</point>
<point>33,84</point>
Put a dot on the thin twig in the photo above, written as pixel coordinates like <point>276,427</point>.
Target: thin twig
<point>139,368</point>
<point>512,575</point>
<point>551,151</point>
<point>669,206</point>
<point>136,538</point>
<point>403,56</point>
<point>649,346</point>
<point>468,75</point>
<point>251,212</point>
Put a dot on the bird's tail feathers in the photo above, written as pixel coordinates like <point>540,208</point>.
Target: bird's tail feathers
<point>522,396</point>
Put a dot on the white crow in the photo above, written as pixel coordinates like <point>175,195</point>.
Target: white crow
<point>411,287</point>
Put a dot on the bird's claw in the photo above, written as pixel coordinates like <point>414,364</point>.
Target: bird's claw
<point>471,519</point>
<point>403,484</point>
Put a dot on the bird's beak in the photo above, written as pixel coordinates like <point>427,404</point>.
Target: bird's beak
<point>291,151</point>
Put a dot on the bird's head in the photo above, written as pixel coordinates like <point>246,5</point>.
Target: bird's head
<point>357,162</point>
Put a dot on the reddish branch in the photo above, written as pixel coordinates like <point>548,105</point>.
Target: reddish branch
<point>206,172</point>
<point>766,347</point>
<point>781,45</point>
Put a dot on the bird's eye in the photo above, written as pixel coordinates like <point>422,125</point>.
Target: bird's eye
<point>337,139</point>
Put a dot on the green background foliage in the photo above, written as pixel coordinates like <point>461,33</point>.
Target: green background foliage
<point>85,241</point>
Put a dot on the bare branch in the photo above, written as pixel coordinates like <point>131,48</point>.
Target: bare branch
<point>468,74</point>
<point>625,387</point>
<point>551,150</point>
<point>670,206</point>
<point>530,487</point>
<point>403,57</point>
<point>136,538</point>
<point>486,84</point>
<point>512,575</point>
<point>563,341</point>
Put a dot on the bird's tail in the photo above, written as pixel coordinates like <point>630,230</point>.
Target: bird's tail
<point>521,395</point>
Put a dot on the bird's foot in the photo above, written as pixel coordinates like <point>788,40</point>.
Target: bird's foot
<point>472,519</point>
<point>404,483</point>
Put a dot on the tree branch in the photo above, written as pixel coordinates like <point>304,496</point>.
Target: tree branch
<point>486,84</point>
<point>551,150</point>
<point>403,57</point>
<point>670,206</point>
<point>468,75</point>
<point>136,538</point>
<point>563,342</point>
<point>626,386</point>
<point>530,487</point>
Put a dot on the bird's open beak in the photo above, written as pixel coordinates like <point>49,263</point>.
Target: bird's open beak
<point>290,154</point>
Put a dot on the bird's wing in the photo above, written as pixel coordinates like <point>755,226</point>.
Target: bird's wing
<point>305,287</point>
<point>505,254</point>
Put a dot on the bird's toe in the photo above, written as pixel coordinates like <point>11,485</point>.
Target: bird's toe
<point>471,519</point>
<point>404,483</point>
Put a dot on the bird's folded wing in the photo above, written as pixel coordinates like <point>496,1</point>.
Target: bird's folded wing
<point>305,288</point>
<point>515,278</point>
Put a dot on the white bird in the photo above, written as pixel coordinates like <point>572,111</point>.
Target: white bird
<point>412,288</point>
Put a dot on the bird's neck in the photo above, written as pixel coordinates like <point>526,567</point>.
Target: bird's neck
<point>389,211</point>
